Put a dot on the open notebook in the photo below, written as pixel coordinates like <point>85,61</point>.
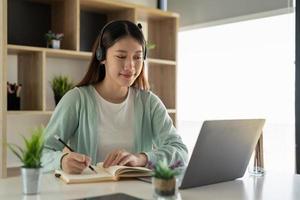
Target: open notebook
<point>112,173</point>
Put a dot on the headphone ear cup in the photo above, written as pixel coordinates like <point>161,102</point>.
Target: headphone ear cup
<point>99,54</point>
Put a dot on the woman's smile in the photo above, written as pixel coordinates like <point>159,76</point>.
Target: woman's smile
<point>127,75</point>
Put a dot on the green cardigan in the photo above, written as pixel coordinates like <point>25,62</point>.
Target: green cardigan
<point>75,121</point>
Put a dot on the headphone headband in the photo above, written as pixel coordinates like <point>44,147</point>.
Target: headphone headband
<point>101,52</point>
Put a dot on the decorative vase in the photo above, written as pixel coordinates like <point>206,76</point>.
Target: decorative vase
<point>31,180</point>
<point>55,44</point>
<point>162,4</point>
<point>164,189</point>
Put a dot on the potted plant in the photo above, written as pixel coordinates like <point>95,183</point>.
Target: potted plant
<point>60,85</point>
<point>30,156</point>
<point>150,45</point>
<point>53,39</point>
<point>164,178</point>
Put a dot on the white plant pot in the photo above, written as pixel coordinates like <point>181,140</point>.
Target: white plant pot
<point>55,44</point>
<point>31,180</point>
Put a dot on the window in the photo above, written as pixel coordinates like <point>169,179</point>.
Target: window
<point>241,70</point>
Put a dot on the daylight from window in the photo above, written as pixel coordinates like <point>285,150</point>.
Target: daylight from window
<point>241,70</point>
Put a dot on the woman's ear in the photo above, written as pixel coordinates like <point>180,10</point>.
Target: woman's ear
<point>103,62</point>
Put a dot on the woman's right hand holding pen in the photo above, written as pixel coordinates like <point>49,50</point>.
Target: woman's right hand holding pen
<point>74,163</point>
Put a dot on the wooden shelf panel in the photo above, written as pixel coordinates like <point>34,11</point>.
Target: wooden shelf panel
<point>161,61</point>
<point>15,49</point>
<point>30,76</point>
<point>162,80</point>
<point>60,53</point>
<point>30,112</point>
<point>171,110</point>
<point>68,54</point>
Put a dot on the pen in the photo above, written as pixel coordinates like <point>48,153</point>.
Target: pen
<point>58,138</point>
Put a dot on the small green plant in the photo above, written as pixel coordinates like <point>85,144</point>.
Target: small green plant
<point>60,85</point>
<point>150,45</point>
<point>162,170</point>
<point>53,36</point>
<point>53,39</point>
<point>31,154</point>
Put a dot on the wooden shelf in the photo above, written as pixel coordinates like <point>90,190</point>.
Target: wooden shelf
<point>15,49</point>
<point>60,53</point>
<point>68,54</point>
<point>31,112</point>
<point>161,61</point>
<point>171,110</point>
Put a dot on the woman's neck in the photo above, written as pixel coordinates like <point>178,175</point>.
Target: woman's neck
<point>112,93</point>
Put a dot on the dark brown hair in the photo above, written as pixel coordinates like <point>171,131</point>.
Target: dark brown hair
<point>110,34</point>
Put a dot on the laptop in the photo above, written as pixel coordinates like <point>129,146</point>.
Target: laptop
<point>222,151</point>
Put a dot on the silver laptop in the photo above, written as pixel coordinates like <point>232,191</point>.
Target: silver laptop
<point>222,151</point>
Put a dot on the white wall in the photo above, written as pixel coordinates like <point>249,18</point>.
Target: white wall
<point>194,12</point>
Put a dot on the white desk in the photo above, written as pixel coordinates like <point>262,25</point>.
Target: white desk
<point>281,187</point>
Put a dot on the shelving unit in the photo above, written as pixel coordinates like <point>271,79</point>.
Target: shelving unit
<point>25,59</point>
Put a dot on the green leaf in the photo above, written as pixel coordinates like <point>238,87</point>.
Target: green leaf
<point>163,171</point>
<point>31,154</point>
<point>15,152</point>
<point>60,85</point>
<point>150,45</point>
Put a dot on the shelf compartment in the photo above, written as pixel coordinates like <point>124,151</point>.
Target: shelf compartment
<point>162,80</point>
<point>165,47</point>
<point>28,21</point>
<point>90,26</point>
<point>74,69</point>
<point>94,16</point>
<point>26,69</point>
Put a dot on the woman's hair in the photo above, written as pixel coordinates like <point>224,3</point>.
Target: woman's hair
<point>110,34</point>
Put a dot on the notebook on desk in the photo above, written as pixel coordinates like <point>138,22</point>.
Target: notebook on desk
<point>222,151</point>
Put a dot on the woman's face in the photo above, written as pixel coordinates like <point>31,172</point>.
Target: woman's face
<point>124,62</point>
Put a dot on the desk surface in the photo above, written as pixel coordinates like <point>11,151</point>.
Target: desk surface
<point>271,186</point>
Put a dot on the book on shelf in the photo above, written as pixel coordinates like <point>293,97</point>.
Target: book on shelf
<point>113,173</point>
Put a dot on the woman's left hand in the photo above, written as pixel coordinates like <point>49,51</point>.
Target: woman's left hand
<point>123,157</point>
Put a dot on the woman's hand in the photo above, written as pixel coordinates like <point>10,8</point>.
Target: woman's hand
<point>74,163</point>
<point>122,157</point>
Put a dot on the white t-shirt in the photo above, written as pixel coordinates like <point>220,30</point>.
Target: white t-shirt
<point>116,125</point>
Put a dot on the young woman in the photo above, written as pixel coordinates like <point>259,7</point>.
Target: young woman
<point>111,116</point>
